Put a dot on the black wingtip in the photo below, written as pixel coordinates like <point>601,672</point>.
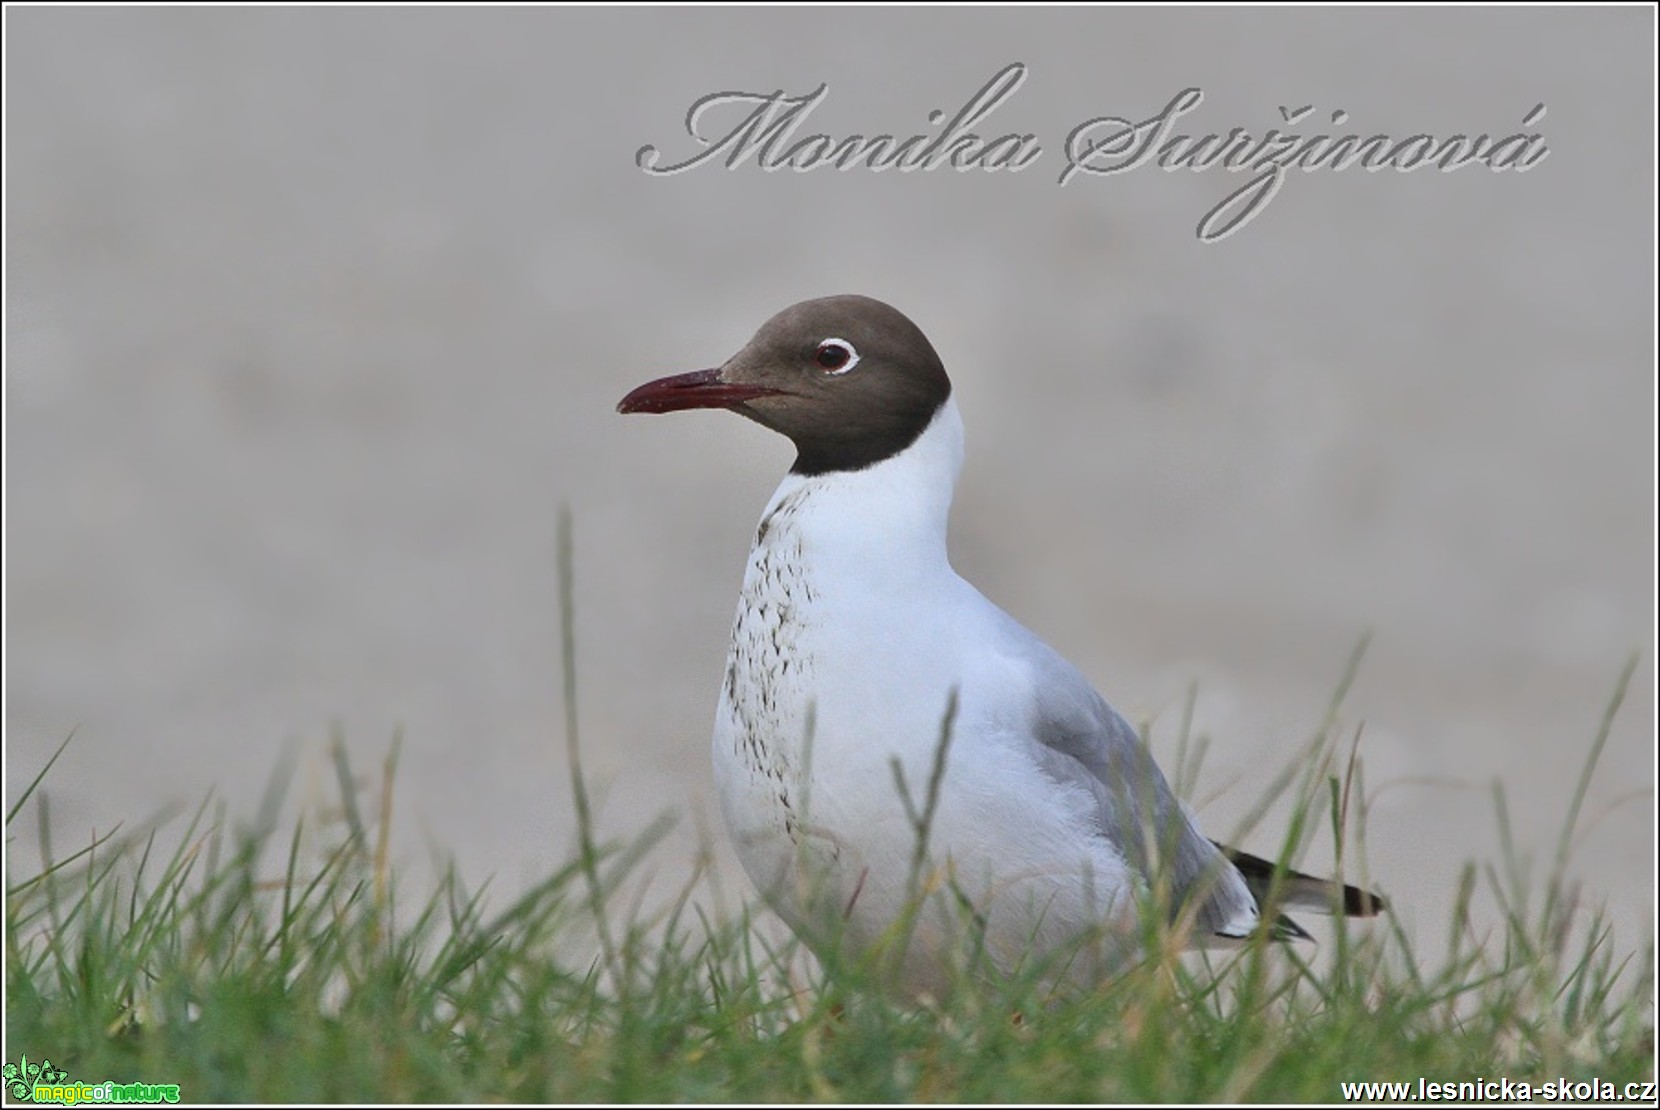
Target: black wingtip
<point>1316,893</point>
<point>1287,929</point>
<point>1362,903</point>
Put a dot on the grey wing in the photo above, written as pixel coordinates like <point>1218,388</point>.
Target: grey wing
<point>1080,740</point>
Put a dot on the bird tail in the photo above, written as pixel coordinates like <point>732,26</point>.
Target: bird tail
<point>1300,891</point>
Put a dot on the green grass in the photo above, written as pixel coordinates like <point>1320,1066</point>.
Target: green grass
<point>256,964</point>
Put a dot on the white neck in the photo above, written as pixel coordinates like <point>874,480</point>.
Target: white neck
<point>885,523</point>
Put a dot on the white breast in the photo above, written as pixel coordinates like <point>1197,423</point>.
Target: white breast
<point>851,635</point>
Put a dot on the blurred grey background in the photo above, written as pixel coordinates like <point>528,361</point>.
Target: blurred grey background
<point>315,317</point>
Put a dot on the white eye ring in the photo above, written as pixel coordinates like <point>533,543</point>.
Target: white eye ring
<point>834,344</point>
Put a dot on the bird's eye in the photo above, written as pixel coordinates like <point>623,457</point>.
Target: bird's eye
<point>836,356</point>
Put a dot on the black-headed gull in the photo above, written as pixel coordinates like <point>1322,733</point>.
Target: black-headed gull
<point>855,645</point>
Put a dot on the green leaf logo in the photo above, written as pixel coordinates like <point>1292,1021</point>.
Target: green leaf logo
<point>20,1078</point>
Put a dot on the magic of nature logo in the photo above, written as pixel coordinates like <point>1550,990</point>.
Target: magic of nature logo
<point>27,1081</point>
